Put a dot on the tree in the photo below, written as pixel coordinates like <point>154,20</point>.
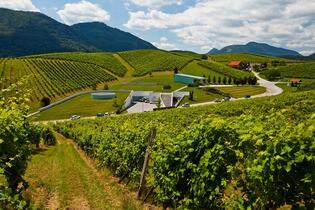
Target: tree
<point>219,80</point>
<point>214,80</point>
<point>191,95</point>
<point>150,74</point>
<point>45,101</point>
<point>167,86</point>
<point>94,86</point>
<point>230,80</point>
<point>158,105</point>
<point>105,87</point>
<point>204,57</point>
<point>176,70</point>
<point>48,136</point>
<point>209,79</point>
<point>224,80</point>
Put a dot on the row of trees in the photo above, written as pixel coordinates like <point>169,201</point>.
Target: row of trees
<point>230,80</point>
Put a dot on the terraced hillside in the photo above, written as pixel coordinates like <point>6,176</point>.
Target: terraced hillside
<point>105,60</point>
<point>52,78</point>
<point>145,61</point>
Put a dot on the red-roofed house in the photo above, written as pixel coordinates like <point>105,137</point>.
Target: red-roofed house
<point>295,82</point>
<point>237,65</point>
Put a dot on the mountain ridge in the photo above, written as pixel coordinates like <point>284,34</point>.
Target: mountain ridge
<point>256,48</point>
<point>27,33</point>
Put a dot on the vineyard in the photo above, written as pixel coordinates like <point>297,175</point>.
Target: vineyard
<point>52,78</point>
<point>145,61</point>
<point>105,60</point>
<point>247,57</point>
<point>246,154</point>
<point>304,70</point>
<point>224,70</point>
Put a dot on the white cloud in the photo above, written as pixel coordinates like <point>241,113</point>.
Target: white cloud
<point>217,23</point>
<point>156,3</point>
<point>165,44</point>
<point>24,5</point>
<point>83,11</point>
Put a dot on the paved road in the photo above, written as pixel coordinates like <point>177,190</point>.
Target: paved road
<point>271,90</point>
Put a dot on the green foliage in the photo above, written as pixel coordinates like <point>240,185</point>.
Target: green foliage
<point>263,148</point>
<point>11,201</point>
<point>224,70</point>
<point>272,74</point>
<point>48,136</point>
<point>197,166</point>
<point>304,70</point>
<point>145,61</point>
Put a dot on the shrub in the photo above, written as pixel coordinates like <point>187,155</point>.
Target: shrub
<point>45,101</point>
<point>167,86</point>
<point>48,136</point>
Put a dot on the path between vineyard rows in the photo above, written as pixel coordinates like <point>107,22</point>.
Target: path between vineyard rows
<point>62,177</point>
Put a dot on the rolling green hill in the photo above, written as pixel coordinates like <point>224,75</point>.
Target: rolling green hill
<point>224,70</point>
<point>303,70</point>
<point>104,59</point>
<point>145,61</point>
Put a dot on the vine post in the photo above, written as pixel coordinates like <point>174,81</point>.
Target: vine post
<point>146,161</point>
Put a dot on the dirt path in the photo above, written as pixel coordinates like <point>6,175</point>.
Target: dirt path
<point>62,177</point>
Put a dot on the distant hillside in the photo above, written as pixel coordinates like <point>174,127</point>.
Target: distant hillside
<point>109,39</point>
<point>256,48</point>
<point>26,33</point>
<point>247,57</point>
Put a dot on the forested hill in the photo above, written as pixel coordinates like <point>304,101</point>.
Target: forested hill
<point>26,33</point>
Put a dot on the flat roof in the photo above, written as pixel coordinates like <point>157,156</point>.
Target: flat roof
<point>103,94</point>
<point>191,76</point>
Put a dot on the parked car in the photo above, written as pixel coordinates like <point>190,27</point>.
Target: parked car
<point>186,104</point>
<point>100,115</point>
<point>217,100</point>
<point>247,96</point>
<point>75,117</point>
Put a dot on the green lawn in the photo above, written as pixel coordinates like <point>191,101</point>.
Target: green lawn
<point>200,96</point>
<point>241,91</point>
<point>61,177</point>
<point>83,106</point>
<point>147,83</point>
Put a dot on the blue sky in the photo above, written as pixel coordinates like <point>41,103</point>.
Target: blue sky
<point>196,25</point>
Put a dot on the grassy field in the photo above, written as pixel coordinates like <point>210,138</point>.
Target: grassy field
<point>151,83</point>
<point>145,61</point>
<point>200,96</point>
<point>62,177</point>
<point>83,106</point>
<point>241,91</point>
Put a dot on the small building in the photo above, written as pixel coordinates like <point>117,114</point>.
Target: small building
<point>237,65</point>
<point>295,82</point>
<point>103,95</point>
<point>187,79</point>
